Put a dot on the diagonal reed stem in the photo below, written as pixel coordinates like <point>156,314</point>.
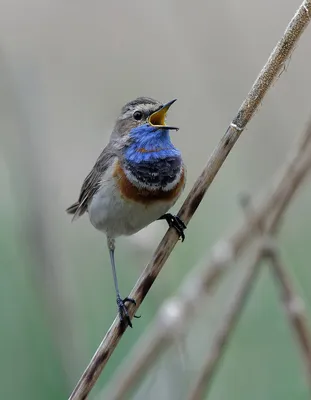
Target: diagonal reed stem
<point>293,305</point>
<point>228,324</point>
<point>175,315</point>
<point>270,71</point>
<point>294,308</point>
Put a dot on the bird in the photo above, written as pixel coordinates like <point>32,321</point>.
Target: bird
<point>136,179</point>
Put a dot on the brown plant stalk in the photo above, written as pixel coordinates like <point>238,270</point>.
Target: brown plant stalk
<point>227,326</point>
<point>174,316</point>
<point>270,71</point>
<point>293,305</point>
<point>294,308</point>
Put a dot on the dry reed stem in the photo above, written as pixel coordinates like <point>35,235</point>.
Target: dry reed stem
<point>266,77</point>
<point>174,316</point>
<point>294,305</point>
<point>143,354</point>
<point>223,333</point>
<point>295,309</point>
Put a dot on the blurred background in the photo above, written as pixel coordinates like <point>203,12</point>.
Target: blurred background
<point>66,69</point>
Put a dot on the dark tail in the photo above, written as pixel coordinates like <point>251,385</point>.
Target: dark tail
<point>75,209</point>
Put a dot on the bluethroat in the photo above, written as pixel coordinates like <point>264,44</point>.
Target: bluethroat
<point>137,178</point>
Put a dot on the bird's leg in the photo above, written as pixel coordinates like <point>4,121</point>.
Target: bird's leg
<point>120,303</point>
<point>175,222</point>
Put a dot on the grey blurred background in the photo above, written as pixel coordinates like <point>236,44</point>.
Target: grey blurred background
<point>66,69</point>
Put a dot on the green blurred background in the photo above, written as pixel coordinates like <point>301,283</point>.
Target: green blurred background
<point>66,69</point>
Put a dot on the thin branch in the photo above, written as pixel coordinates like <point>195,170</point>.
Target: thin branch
<point>174,316</point>
<point>266,77</point>
<point>228,324</point>
<point>303,142</point>
<point>221,337</point>
<point>294,308</point>
<point>144,354</point>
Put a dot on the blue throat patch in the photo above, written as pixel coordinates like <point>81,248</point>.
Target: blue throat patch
<point>150,145</point>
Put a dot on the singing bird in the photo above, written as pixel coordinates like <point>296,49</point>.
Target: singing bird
<point>137,178</point>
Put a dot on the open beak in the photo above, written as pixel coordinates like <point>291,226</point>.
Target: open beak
<point>157,119</point>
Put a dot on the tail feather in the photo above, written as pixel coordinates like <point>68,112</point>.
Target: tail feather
<point>72,209</point>
<point>76,210</point>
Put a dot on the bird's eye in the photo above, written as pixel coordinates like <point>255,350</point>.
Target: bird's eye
<point>138,115</point>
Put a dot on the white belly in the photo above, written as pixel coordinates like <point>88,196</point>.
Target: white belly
<point>115,216</point>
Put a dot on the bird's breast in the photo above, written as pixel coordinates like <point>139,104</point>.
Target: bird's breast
<point>148,183</point>
<point>123,205</point>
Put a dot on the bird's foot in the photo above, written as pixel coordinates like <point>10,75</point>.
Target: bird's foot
<point>123,313</point>
<point>175,222</point>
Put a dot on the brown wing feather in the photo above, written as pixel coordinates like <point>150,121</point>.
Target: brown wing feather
<point>92,182</point>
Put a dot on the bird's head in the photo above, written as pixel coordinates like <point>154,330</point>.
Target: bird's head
<point>141,128</point>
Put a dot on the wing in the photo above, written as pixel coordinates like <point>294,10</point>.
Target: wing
<point>92,182</point>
